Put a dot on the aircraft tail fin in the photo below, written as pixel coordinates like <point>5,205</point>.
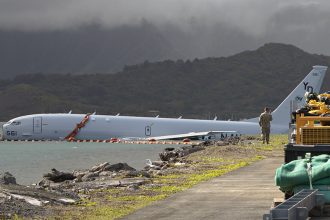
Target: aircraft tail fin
<point>311,83</point>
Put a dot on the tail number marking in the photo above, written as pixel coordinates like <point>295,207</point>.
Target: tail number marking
<point>307,87</point>
<point>11,133</point>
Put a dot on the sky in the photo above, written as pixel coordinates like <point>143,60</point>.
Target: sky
<point>304,23</point>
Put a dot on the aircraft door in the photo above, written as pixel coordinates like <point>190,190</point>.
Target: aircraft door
<point>37,125</point>
<point>148,130</point>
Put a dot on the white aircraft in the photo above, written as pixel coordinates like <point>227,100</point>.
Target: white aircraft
<point>104,127</point>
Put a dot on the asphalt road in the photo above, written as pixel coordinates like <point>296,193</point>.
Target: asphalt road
<point>246,193</point>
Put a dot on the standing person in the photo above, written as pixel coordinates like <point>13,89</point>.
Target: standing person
<point>264,122</point>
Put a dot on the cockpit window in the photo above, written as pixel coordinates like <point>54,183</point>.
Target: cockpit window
<point>12,122</point>
<point>9,122</point>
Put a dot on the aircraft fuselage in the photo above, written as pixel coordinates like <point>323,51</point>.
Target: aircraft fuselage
<point>104,127</point>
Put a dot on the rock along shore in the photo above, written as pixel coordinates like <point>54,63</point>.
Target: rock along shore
<point>60,189</point>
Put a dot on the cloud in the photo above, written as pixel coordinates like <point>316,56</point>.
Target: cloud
<point>252,16</point>
<point>295,21</point>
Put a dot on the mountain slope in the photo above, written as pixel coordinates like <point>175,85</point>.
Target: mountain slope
<point>235,87</point>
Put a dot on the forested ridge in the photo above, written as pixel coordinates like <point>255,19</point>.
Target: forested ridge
<point>232,87</point>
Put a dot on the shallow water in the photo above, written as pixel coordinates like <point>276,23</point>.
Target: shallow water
<point>27,161</point>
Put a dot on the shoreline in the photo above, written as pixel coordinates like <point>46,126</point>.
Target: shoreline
<point>27,161</point>
<point>112,196</point>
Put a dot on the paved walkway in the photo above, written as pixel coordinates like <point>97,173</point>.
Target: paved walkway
<point>246,193</point>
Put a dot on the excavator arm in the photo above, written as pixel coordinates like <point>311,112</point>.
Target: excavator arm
<point>75,131</point>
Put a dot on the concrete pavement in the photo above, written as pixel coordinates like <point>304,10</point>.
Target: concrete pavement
<point>246,193</point>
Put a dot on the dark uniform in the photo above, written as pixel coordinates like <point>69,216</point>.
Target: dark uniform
<point>264,122</point>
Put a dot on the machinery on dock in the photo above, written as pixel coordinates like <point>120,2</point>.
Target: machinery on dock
<point>304,178</point>
<point>310,128</point>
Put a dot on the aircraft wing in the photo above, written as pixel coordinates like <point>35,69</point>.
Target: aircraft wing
<point>207,135</point>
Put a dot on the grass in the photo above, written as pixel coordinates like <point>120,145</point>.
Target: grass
<point>214,161</point>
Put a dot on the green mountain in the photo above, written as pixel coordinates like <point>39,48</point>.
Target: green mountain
<point>234,87</point>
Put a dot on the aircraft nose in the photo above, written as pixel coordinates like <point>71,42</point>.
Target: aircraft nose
<point>3,133</point>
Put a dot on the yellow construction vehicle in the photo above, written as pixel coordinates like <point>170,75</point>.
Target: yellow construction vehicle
<point>313,120</point>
